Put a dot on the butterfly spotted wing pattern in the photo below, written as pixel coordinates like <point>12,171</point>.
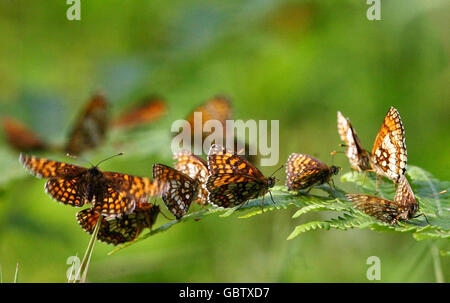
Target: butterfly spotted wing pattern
<point>196,168</point>
<point>150,110</point>
<point>382,209</point>
<point>388,155</point>
<point>90,129</point>
<point>20,137</point>
<point>404,206</point>
<point>304,171</point>
<point>119,230</point>
<point>356,154</point>
<point>178,190</point>
<point>405,197</point>
<point>141,188</point>
<point>233,180</point>
<point>112,194</point>
<point>47,169</point>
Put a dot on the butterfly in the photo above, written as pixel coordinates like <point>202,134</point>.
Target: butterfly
<point>20,137</point>
<point>233,180</point>
<point>217,108</point>
<point>404,206</point>
<point>119,230</point>
<point>359,158</point>
<point>150,109</point>
<point>90,128</point>
<point>304,171</point>
<point>177,189</point>
<point>388,157</point>
<point>196,168</point>
<point>111,194</point>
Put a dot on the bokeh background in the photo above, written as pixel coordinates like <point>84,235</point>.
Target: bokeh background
<point>294,61</point>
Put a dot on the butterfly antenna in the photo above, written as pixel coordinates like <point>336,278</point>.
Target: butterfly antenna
<point>79,158</point>
<point>119,154</point>
<point>277,170</point>
<point>437,194</point>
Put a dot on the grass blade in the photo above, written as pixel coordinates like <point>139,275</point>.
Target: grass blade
<point>88,254</point>
<point>437,265</point>
<point>16,275</point>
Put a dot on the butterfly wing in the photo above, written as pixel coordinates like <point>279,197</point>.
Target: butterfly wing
<point>45,168</point>
<point>178,189</point>
<point>222,161</point>
<point>405,196</point>
<point>358,157</point>
<point>228,190</point>
<point>196,168</point>
<point>110,202</point>
<point>140,188</point>
<point>389,150</point>
<point>217,108</point>
<point>147,214</point>
<point>303,171</point>
<point>382,209</point>
<point>20,137</point>
<point>67,191</point>
<point>150,110</point>
<point>112,231</point>
<point>66,182</point>
<point>90,129</point>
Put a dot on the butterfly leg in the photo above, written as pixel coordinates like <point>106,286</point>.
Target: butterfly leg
<point>376,184</point>
<point>332,188</point>
<point>364,178</point>
<point>262,204</point>
<point>422,214</point>
<point>271,197</point>
<point>165,216</point>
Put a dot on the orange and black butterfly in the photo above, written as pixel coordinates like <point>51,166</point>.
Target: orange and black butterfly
<point>304,171</point>
<point>233,180</point>
<point>22,138</point>
<point>217,108</point>
<point>150,110</point>
<point>91,127</point>
<point>196,168</point>
<point>120,230</point>
<point>404,206</point>
<point>177,189</point>
<point>388,157</point>
<point>111,194</point>
<point>359,158</point>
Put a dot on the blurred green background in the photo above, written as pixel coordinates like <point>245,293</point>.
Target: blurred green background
<point>294,61</point>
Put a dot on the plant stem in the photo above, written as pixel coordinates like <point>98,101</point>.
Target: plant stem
<point>17,273</point>
<point>88,254</point>
<point>437,264</point>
